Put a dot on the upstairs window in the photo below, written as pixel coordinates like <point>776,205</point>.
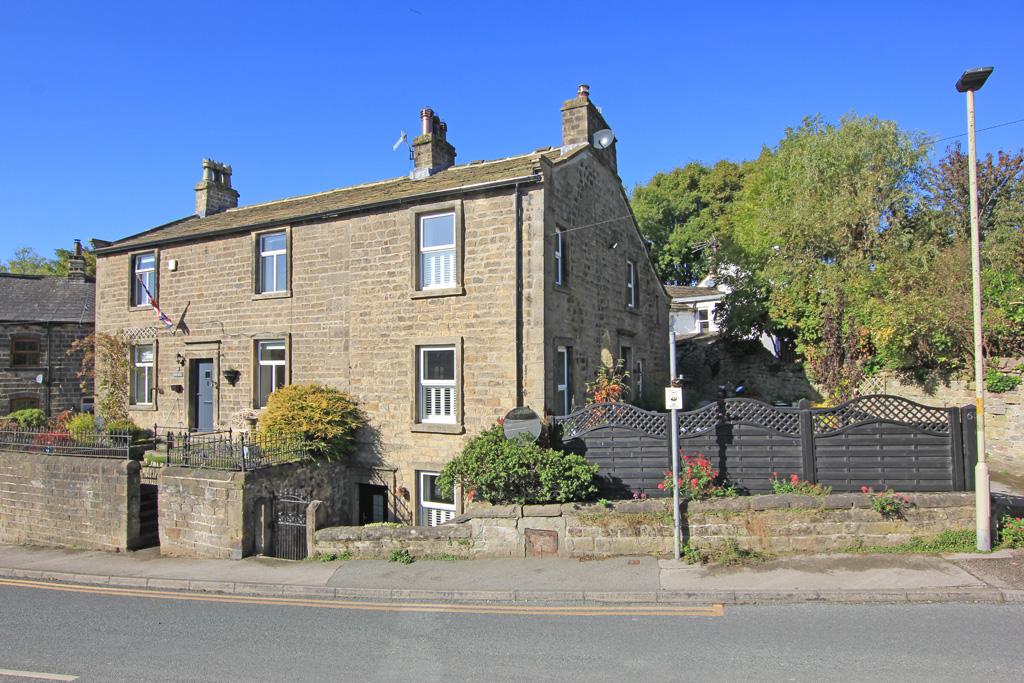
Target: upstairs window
<point>559,256</point>
<point>437,384</point>
<point>273,263</point>
<point>143,279</point>
<point>272,362</point>
<point>437,251</point>
<point>703,320</point>
<point>24,353</point>
<point>631,297</point>
<point>142,375</point>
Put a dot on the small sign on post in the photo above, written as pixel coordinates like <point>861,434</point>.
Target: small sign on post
<point>673,398</point>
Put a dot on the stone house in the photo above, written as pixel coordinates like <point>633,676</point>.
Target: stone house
<point>441,300</point>
<point>40,318</point>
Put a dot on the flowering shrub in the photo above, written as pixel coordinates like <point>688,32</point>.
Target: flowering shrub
<point>1011,532</point>
<point>609,384</point>
<point>698,480</point>
<point>887,503</point>
<point>639,495</point>
<point>795,485</point>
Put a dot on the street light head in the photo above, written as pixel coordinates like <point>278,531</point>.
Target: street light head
<point>973,79</point>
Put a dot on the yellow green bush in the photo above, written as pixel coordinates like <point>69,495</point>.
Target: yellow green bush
<point>326,418</point>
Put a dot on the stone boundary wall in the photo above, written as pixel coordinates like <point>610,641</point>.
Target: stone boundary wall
<point>64,501</point>
<point>809,524</point>
<point>228,515</point>
<point>570,530</point>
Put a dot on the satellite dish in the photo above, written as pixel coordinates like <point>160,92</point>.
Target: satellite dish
<point>40,378</point>
<point>603,139</point>
<point>522,423</point>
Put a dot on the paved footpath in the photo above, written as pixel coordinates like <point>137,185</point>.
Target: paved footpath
<point>993,578</point>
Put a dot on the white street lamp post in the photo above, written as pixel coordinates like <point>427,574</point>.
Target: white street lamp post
<point>969,82</point>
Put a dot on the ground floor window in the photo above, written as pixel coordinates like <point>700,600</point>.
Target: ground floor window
<point>434,509</point>
<point>142,375</point>
<point>563,390</point>
<point>271,364</point>
<point>24,403</point>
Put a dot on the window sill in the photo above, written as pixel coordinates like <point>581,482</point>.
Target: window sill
<point>437,428</point>
<point>563,288</point>
<point>273,295</point>
<point>457,290</point>
<point>143,408</point>
<point>146,307</point>
<point>633,309</point>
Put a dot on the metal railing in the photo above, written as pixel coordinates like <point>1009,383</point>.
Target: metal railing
<point>93,444</point>
<point>228,451</point>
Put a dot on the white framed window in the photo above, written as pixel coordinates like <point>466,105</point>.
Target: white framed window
<point>273,262</point>
<point>437,251</point>
<point>435,507</point>
<point>142,375</point>
<point>563,391</point>
<point>559,256</point>
<point>437,384</point>
<point>703,320</point>
<point>143,279</point>
<point>271,369</point>
<point>630,284</point>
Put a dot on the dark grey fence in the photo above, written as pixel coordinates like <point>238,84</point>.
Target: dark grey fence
<point>94,444</point>
<point>879,441</point>
<point>233,451</point>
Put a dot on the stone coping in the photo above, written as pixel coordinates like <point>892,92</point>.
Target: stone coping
<point>834,501</point>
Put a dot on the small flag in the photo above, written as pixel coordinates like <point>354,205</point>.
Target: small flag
<point>168,323</point>
<point>398,143</point>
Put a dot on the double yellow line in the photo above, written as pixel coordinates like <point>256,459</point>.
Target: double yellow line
<point>446,608</point>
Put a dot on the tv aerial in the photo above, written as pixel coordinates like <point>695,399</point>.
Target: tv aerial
<point>403,137</point>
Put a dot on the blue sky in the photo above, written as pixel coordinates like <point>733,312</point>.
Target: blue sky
<point>107,108</point>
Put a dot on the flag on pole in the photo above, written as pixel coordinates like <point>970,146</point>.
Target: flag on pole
<point>163,317</point>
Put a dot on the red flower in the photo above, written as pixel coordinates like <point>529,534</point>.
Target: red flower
<point>864,489</point>
<point>775,474</point>
<point>661,486</point>
<point>794,479</point>
<point>694,482</point>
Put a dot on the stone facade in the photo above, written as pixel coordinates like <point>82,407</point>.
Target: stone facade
<point>352,316</point>
<point>790,523</point>
<point>227,515</point>
<point>66,501</point>
<point>61,388</point>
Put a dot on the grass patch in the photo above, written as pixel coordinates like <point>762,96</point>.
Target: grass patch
<point>402,556</point>
<point>445,557</point>
<point>332,556</point>
<point>731,554</point>
<point>949,541</point>
<point>630,520</point>
<point>154,458</point>
<point>386,525</point>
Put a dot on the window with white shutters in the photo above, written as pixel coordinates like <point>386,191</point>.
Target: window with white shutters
<point>437,384</point>
<point>437,251</point>
<point>436,506</point>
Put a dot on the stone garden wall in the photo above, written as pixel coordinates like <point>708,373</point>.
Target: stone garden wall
<point>791,523</point>
<point>774,524</point>
<point>228,515</point>
<point>55,500</point>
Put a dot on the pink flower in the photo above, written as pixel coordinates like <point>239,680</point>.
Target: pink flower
<point>864,489</point>
<point>661,486</point>
<point>775,475</point>
<point>793,478</point>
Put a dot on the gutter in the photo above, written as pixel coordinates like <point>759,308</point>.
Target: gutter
<point>332,213</point>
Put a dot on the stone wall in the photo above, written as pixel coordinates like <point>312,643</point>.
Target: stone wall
<point>53,500</point>
<point>226,515</point>
<point>62,389</point>
<point>570,530</point>
<point>790,523</point>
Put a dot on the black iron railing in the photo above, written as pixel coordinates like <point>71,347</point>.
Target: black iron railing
<point>233,451</point>
<point>95,444</point>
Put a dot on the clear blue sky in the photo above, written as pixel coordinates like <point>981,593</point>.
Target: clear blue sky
<point>106,109</point>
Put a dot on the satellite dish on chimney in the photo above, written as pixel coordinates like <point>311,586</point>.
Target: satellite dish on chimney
<point>603,138</point>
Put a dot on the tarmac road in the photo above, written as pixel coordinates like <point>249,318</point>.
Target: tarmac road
<point>127,634</point>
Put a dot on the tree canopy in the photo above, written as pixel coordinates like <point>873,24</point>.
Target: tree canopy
<point>27,262</point>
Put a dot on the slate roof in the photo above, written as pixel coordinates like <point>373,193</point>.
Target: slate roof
<point>345,199</point>
<point>46,299</point>
<point>677,292</point>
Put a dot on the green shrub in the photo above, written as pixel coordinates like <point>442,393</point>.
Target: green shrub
<point>29,418</point>
<point>125,425</point>
<point>326,418</point>
<point>1011,532</point>
<point>500,471</point>
<point>402,556</point>
<point>1000,382</point>
<point>81,425</point>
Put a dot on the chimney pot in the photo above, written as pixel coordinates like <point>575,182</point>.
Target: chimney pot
<point>431,151</point>
<point>583,91</point>
<point>214,193</point>
<point>426,120</point>
<point>76,264</point>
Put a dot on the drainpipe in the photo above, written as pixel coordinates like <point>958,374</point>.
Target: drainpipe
<point>519,297</point>
<point>49,367</point>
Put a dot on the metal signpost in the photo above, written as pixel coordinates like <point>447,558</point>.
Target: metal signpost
<point>673,401</point>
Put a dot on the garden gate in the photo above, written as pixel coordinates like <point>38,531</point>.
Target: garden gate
<point>288,540</point>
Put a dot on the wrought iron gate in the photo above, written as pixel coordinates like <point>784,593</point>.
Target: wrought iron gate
<point>288,540</point>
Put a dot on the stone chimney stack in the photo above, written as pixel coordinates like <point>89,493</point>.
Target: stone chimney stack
<point>580,120</point>
<point>213,192</point>
<point>76,264</point>
<point>430,149</point>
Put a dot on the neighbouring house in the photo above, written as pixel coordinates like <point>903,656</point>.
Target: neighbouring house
<point>441,300</point>
<point>693,312</point>
<point>40,319</point>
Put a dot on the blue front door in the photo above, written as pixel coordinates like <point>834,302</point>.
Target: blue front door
<point>203,395</point>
